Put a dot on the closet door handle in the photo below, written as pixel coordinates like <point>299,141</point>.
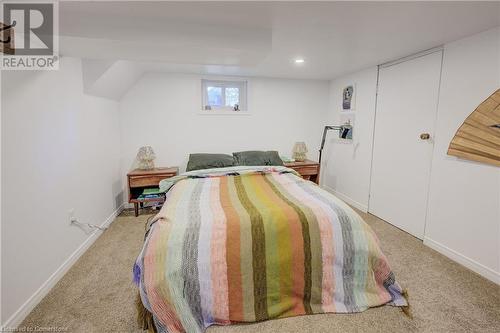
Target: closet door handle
<point>425,136</point>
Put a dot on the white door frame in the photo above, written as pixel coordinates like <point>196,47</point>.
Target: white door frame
<point>392,63</point>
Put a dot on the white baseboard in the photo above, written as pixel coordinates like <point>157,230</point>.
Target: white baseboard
<point>16,319</point>
<point>480,269</point>
<point>348,200</point>
<point>127,205</point>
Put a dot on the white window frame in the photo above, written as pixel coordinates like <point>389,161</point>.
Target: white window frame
<point>240,84</point>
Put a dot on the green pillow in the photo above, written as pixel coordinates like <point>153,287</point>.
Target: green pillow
<point>255,157</point>
<point>209,161</point>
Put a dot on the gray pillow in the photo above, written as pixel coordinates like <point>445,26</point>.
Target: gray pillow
<point>254,157</point>
<point>209,161</point>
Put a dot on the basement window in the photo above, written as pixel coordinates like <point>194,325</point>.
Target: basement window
<point>224,96</point>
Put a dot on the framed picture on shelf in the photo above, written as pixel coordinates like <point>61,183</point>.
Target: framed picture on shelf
<point>349,98</point>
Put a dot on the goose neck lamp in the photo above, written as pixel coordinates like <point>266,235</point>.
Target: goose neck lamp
<point>345,132</point>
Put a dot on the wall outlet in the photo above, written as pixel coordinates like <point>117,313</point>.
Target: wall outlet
<point>71,214</point>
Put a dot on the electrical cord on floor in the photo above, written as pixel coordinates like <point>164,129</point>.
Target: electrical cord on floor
<point>93,226</point>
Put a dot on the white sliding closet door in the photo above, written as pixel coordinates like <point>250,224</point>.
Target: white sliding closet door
<point>405,116</point>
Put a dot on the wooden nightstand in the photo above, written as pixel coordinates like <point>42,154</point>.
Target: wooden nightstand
<point>138,180</point>
<point>308,169</point>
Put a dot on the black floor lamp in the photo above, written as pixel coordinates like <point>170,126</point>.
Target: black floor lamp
<point>345,132</point>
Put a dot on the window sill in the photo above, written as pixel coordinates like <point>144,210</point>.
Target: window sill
<point>223,113</point>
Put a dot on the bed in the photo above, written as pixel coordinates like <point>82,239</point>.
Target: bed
<point>245,244</point>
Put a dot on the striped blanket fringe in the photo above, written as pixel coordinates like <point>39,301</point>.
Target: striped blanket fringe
<point>146,322</point>
<point>406,309</point>
<point>144,317</point>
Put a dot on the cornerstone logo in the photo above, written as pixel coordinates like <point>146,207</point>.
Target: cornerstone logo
<point>29,36</point>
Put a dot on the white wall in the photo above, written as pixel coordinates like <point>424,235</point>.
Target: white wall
<point>1,294</point>
<point>346,166</point>
<point>163,110</point>
<point>60,150</point>
<point>463,218</point>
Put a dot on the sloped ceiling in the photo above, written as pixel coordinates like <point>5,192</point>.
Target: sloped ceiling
<point>261,38</point>
<point>110,80</point>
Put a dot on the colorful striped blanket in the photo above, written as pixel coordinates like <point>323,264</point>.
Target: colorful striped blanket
<point>246,244</point>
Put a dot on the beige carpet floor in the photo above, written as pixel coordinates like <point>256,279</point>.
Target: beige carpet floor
<point>97,294</point>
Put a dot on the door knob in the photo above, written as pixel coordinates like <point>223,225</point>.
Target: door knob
<point>425,136</point>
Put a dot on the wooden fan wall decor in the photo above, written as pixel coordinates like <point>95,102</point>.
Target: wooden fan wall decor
<point>478,139</point>
<point>7,38</point>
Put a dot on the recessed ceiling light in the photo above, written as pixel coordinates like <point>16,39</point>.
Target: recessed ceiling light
<point>299,61</point>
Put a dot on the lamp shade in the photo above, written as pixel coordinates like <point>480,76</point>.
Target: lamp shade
<point>146,157</point>
<point>299,151</point>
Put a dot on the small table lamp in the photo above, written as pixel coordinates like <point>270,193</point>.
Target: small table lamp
<point>299,151</point>
<point>146,157</point>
